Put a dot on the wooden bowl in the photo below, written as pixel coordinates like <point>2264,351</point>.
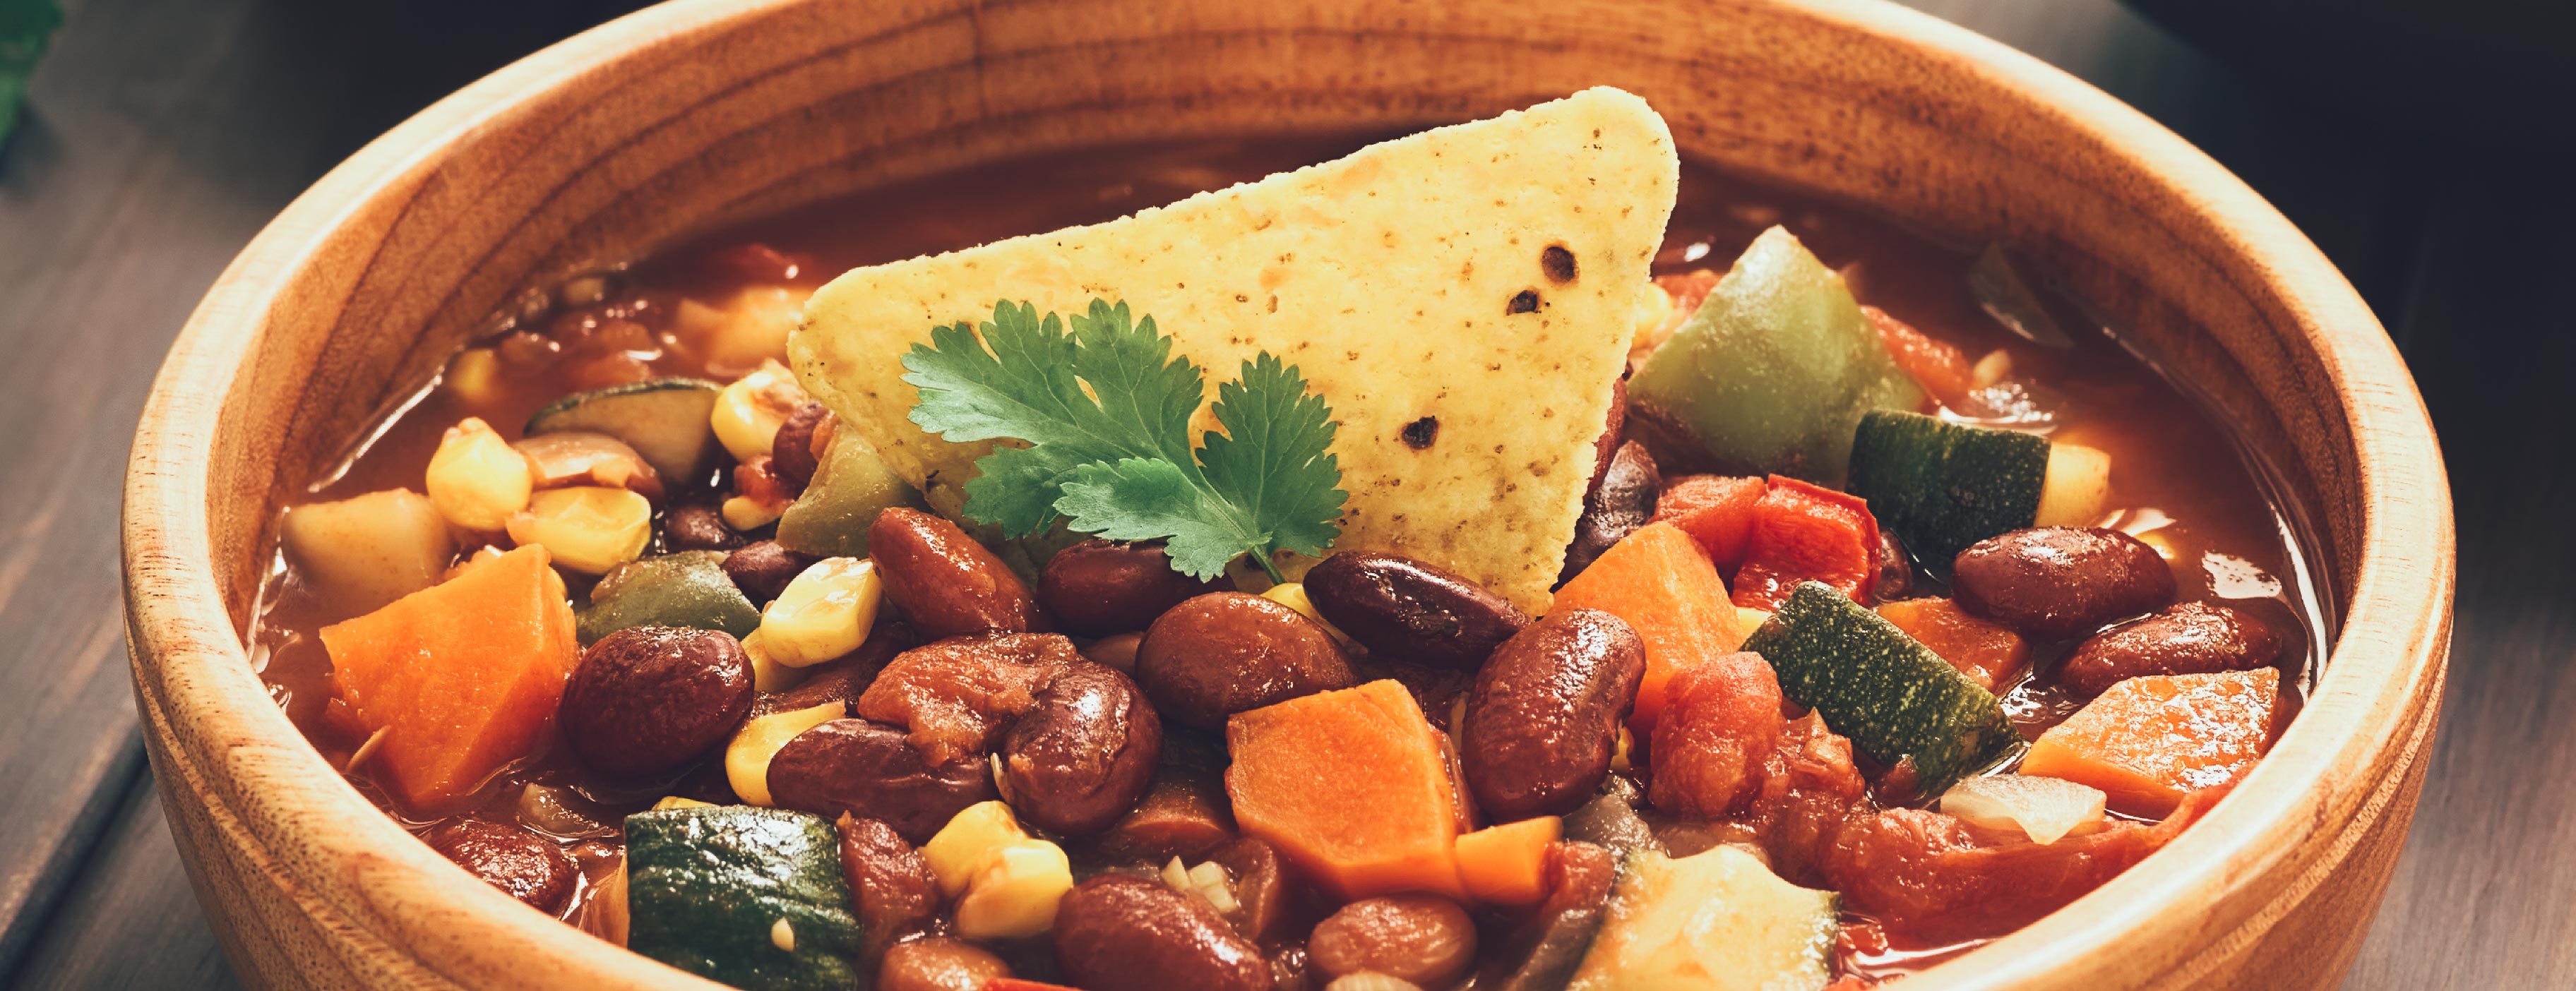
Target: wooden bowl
<point>701,111</point>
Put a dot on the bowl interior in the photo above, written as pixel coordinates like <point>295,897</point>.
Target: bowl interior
<point>701,112</point>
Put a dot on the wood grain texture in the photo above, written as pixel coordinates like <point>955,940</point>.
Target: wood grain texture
<point>233,788</point>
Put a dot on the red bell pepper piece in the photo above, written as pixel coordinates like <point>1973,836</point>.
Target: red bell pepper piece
<point>1716,511</point>
<point>1805,532</point>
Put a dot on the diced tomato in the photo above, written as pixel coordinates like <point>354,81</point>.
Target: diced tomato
<point>1941,368</point>
<point>1804,532</point>
<point>1717,511</point>
<point>1022,984</point>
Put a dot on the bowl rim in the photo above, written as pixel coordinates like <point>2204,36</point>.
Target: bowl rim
<point>2378,691</point>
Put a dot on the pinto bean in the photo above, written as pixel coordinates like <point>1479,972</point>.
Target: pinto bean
<point>867,769</point>
<point>1425,939</point>
<point>1083,756</point>
<point>1623,501</point>
<point>2057,583</point>
<point>524,865</point>
<point>2191,638</point>
<point>1116,932</point>
<point>1227,652</point>
<point>939,964</point>
<point>1099,587</point>
<point>1401,608</point>
<point>763,568</point>
<point>1544,716</point>
<point>947,584</point>
<point>896,892</point>
<point>647,699</point>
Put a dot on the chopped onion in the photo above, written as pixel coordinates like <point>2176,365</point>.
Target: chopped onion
<point>2044,809</point>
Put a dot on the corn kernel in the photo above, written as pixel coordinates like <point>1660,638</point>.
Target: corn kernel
<point>824,613</point>
<point>767,675</point>
<point>1995,367</point>
<point>474,376</point>
<point>477,480</point>
<point>1293,595</point>
<point>747,757</point>
<point>744,513</point>
<point>1016,894</point>
<point>970,841</point>
<point>2077,487</point>
<point>1750,618</point>
<point>749,412</point>
<point>670,802</point>
<point>588,528</point>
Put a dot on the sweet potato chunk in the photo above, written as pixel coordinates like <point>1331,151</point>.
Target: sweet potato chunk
<point>1661,583</point>
<point>460,677</point>
<point>1989,653</point>
<point>2149,741</point>
<point>1353,787</point>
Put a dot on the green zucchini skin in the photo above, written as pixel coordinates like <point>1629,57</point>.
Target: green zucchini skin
<point>665,420</point>
<point>689,589</point>
<point>1943,486</point>
<point>1892,696</point>
<point>705,887</point>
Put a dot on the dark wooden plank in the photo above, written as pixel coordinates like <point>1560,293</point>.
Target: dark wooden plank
<point>133,923</point>
<point>2480,898</point>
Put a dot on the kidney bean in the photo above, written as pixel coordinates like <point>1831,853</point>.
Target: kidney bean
<point>867,769</point>
<point>1264,894</point>
<point>939,964</point>
<point>947,584</point>
<point>1117,650</point>
<point>1541,954</point>
<point>2057,583</point>
<point>1623,501</point>
<point>1425,939</point>
<point>524,865</point>
<point>794,453</point>
<point>1082,757</point>
<point>1227,652</point>
<point>1544,716</point>
<point>1895,569</point>
<point>647,699</point>
<point>896,892</point>
<point>1183,814</point>
<point>1116,932</point>
<point>1401,608</point>
<point>697,527</point>
<point>2191,638</point>
<point>1099,587</point>
<point>763,568</point>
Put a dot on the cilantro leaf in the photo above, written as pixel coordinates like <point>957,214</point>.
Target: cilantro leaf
<point>24,27</point>
<point>1103,410</point>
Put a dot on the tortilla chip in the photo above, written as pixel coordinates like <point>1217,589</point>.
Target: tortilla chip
<point>1411,282</point>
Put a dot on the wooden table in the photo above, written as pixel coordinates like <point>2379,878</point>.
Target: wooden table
<point>165,132</point>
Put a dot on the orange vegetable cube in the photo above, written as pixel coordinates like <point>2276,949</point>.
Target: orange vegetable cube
<point>1353,787</point>
<point>2149,741</point>
<point>1507,864</point>
<point>1989,653</point>
<point>1659,581</point>
<point>461,677</point>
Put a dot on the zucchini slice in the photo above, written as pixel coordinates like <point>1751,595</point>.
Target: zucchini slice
<point>1713,921</point>
<point>1891,695</point>
<point>1943,486</point>
<point>665,420</point>
<point>751,897</point>
<point>686,589</point>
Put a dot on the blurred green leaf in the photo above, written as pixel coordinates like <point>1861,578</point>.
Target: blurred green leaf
<point>24,27</point>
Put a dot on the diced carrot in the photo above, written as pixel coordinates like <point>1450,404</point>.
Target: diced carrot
<point>1989,653</point>
<point>1805,532</point>
<point>1939,367</point>
<point>461,677</point>
<point>1659,581</point>
<point>1352,787</point>
<point>1507,864</point>
<point>2149,741</point>
<point>1715,510</point>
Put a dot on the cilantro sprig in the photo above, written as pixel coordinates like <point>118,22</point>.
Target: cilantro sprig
<point>1104,410</point>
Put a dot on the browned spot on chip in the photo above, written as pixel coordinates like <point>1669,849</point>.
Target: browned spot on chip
<point>1419,434</point>
<point>1526,301</point>
<point>1558,263</point>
